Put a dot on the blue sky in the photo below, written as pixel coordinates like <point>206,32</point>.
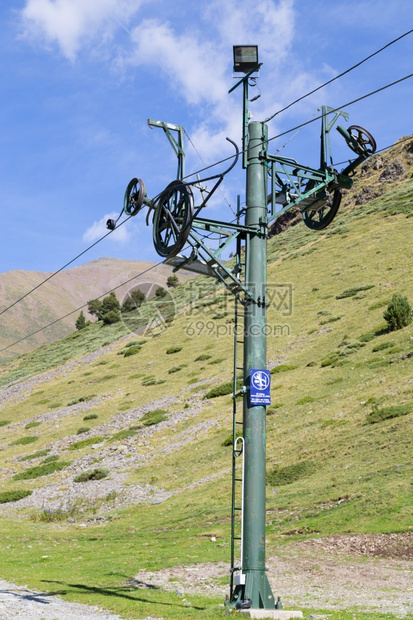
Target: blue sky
<point>80,78</point>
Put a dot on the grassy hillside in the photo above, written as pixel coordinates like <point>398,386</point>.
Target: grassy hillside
<point>165,501</point>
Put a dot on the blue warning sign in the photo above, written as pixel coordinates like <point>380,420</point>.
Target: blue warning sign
<point>260,384</point>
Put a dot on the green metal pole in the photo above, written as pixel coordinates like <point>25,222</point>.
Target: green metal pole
<point>257,587</point>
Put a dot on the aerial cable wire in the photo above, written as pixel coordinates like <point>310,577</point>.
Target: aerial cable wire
<point>52,275</point>
<point>345,105</point>
<point>79,308</point>
<point>267,120</point>
<point>312,120</point>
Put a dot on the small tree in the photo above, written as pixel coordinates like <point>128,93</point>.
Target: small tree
<point>80,321</point>
<point>398,313</point>
<point>160,292</point>
<point>172,281</point>
<point>138,297</point>
<point>113,316</point>
<point>109,303</point>
<point>94,307</point>
<point>133,301</point>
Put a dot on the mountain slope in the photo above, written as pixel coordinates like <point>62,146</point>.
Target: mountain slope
<point>65,292</point>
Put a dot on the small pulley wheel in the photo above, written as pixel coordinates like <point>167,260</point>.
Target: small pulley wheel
<point>362,141</point>
<point>173,217</point>
<point>134,195</point>
<point>320,216</point>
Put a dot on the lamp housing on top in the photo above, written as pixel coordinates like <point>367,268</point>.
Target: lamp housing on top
<point>245,58</point>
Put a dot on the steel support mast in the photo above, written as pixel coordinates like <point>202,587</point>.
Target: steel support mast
<point>257,587</point>
<point>178,227</point>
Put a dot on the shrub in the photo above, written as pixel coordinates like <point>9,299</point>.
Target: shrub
<point>154,417</point>
<point>203,357</point>
<point>81,399</point>
<point>92,474</point>
<point>352,292</point>
<point>36,455</point>
<point>77,445</point>
<point>82,429</point>
<point>44,469</point>
<point>282,368</point>
<point>51,459</point>
<point>131,351</point>
<point>271,410</point>
<point>398,313</point>
<point>230,439</point>
<point>173,350</point>
<point>4,422</point>
<point>305,400</point>
<point>90,416</point>
<point>151,380</point>
<point>382,346</point>
<point>174,369</point>
<point>24,440</point>
<point>387,413</point>
<point>280,476</point>
<point>124,434</point>
<point>223,389</point>
<point>32,425</point>
<point>13,496</point>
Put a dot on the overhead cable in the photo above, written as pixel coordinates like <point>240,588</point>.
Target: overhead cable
<point>312,120</point>
<point>267,120</point>
<point>52,275</point>
<point>77,309</point>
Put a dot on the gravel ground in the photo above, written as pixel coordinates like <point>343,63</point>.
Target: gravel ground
<point>21,603</point>
<point>339,572</point>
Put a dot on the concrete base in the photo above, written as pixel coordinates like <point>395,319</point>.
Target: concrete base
<point>277,614</point>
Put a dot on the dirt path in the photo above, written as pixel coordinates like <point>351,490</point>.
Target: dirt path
<point>370,573</point>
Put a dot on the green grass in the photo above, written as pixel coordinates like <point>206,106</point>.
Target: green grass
<point>32,425</point>
<point>13,496</point>
<point>279,476</point>
<point>23,441</point>
<point>84,443</point>
<point>154,417</point>
<point>388,413</point>
<point>35,455</point>
<point>92,474</point>
<point>44,469</point>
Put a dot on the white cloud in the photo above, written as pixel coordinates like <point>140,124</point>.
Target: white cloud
<point>99,230</point>
<point>194,67</point>
<point>198,62</point>
<point>72,23</point>
<point>268,24</point>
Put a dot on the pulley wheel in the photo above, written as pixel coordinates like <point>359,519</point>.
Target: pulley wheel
<point>364,139</point>
<point>173,217</point>
<point>134,195</point>
<point>320,215</point>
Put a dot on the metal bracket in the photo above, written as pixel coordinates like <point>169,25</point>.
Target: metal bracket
<point>177,145</point>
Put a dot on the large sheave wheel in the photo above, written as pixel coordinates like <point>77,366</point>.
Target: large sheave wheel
<point>173,217</point>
